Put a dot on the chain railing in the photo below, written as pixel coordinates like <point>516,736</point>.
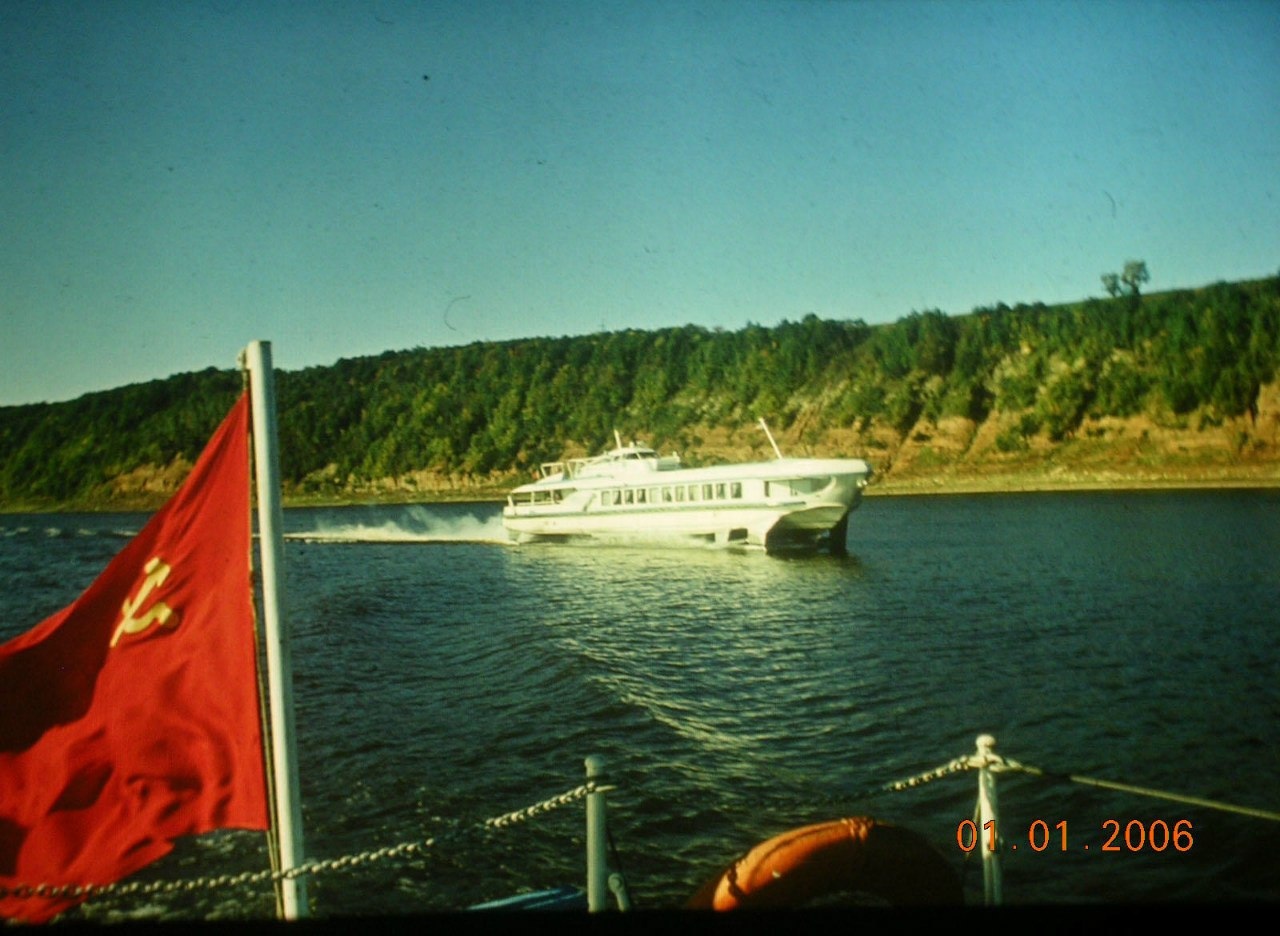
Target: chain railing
<point>312,866</point>
<point>984,759</point>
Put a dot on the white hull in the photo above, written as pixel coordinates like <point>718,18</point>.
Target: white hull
<point>627,496</point>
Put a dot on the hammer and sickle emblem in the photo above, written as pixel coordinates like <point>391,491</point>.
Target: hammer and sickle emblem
<point>159,613</point>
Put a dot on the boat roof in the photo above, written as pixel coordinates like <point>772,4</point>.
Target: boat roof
<point>635,452</point>
<point>596,471</point>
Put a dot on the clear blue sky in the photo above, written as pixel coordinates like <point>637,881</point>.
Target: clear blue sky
<point>345,178</point>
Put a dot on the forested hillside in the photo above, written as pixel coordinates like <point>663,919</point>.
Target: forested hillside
<point>1176,385</point>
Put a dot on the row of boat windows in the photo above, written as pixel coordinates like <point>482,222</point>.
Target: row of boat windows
<point>680,493</point>
<point>672,494</point>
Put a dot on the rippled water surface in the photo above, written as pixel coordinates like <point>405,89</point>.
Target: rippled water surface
<point>443,676</point>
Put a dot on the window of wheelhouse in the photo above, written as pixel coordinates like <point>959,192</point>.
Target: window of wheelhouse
<point>735,490</point>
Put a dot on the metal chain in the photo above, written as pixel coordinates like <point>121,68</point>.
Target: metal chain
<point>529,812</point>
<point>959,765</point>
<point>314,866</point>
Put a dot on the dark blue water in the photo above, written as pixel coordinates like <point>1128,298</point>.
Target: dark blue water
<point>443,676</point>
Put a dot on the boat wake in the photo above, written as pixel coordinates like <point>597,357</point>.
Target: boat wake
<point>414,530</point>
<point>65,532</point>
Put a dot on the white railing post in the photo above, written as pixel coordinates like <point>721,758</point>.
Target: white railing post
<point>597,845</point>
<point>284,759</point>
<point>988,812</point>
<point>619,888</point>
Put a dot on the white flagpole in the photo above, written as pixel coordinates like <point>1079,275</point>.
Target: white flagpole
<point>284,759</point>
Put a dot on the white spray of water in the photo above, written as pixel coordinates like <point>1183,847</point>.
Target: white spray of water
<point>418,526</point>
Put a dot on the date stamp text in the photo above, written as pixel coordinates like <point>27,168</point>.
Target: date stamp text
<point>1116,835</point>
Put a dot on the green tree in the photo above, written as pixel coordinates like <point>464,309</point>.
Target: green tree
<point>1062,402</point>
<point>1135,276</point>
<point>1129,282</point>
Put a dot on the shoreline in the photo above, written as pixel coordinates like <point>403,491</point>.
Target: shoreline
<point>1032,486</point>
<point>914,487</point>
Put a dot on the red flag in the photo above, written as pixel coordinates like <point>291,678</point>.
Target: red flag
<point>131,717</point>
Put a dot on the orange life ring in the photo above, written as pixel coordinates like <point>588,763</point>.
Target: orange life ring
<point>856,855</point>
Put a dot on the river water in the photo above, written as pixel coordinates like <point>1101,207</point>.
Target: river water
<point>443,676</point>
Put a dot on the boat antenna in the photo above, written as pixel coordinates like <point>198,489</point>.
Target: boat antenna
<point>617,438</point>
<point>765,427</point>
